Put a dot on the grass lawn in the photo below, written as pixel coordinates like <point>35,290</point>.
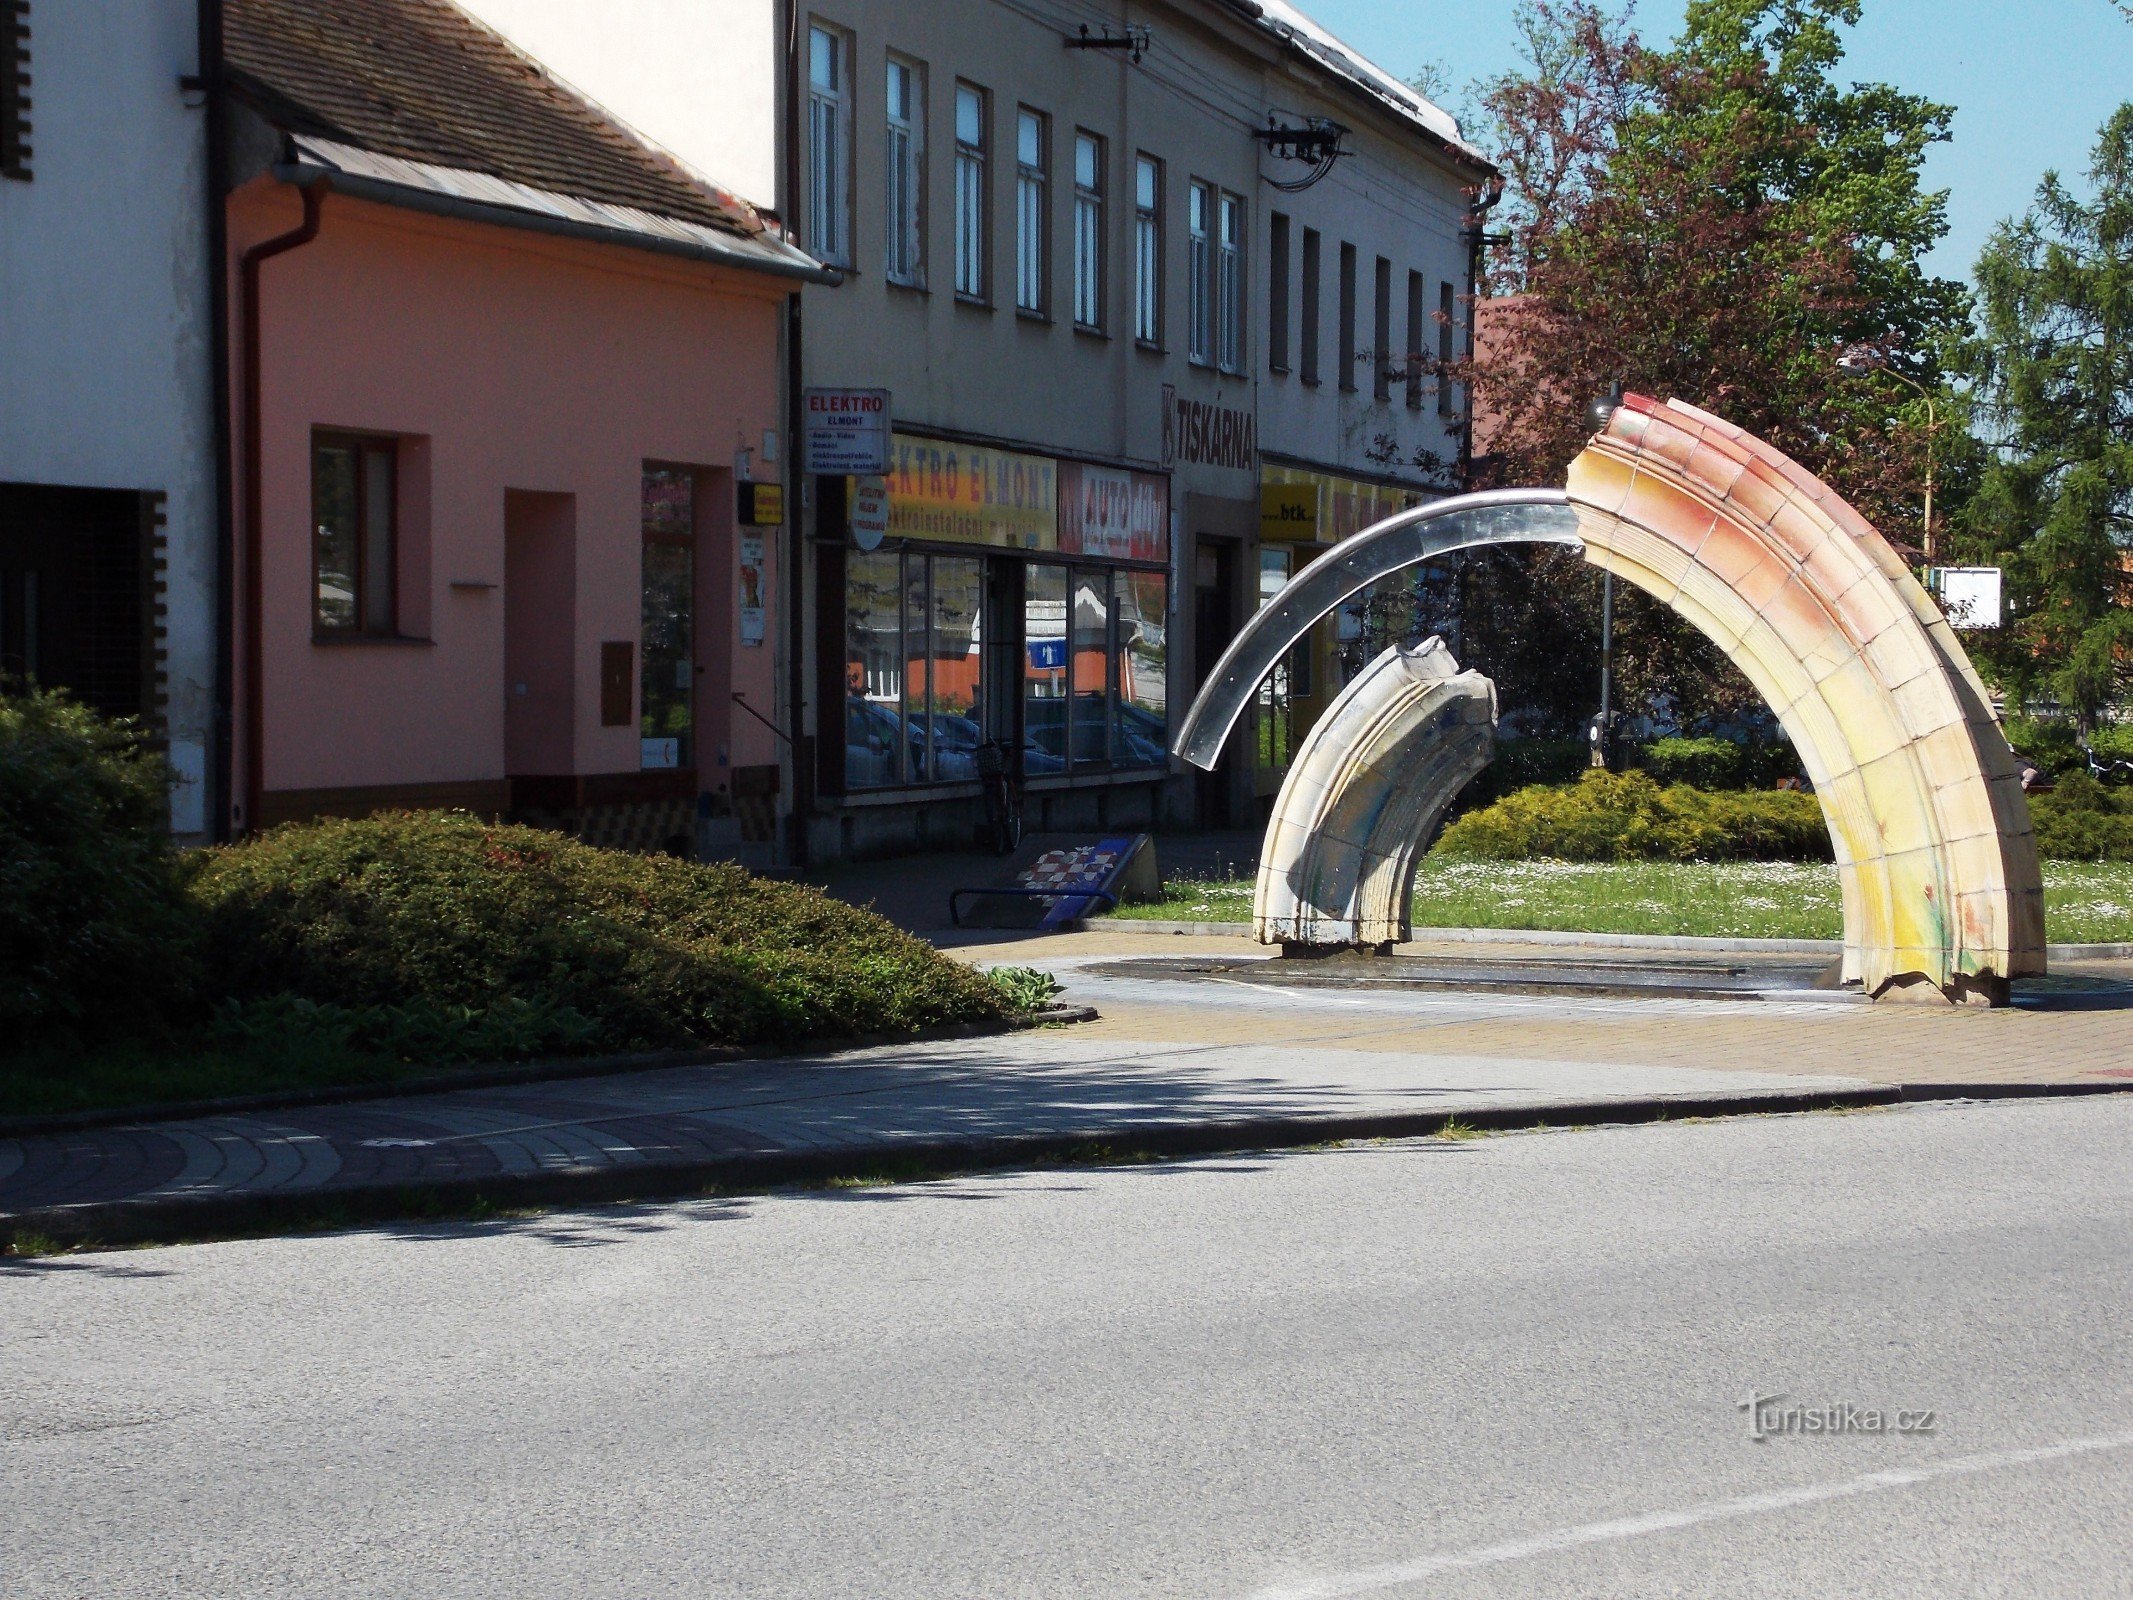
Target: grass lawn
<point>2085,902</point>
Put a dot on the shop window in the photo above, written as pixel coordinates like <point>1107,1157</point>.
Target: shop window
<point>354,495</point>
<point>1047,687</point>
<point>666,655</point>
<point>1140,735</point>
<point>914,691</point>
<point>1089,719</point>
<point>1277,724</point>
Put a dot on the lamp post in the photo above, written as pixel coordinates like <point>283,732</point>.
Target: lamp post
<point>1601,732</point>
<point>1860,359</point>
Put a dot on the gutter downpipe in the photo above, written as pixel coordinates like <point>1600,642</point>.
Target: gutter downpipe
<point>1477,239</point>
<point>255,765</point>
<point>800,502</point>
<point>223,745</point>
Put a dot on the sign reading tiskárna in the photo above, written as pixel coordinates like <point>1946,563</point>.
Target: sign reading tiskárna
<point>1211,435</point>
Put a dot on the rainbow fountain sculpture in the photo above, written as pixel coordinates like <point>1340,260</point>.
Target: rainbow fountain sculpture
<point>1937,862</point>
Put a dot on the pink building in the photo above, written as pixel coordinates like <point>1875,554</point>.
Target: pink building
<point>506,383</point>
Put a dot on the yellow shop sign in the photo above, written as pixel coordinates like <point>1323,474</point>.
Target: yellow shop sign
<point>971,494</point>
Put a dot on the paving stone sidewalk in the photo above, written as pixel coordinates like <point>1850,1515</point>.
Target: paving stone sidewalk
<point>1165,1055</point>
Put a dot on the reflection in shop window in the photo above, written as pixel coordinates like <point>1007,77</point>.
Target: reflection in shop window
<point>1045,688</point>
<point>913,686</point>
<point>1276,699</point>
<point>1141,735</point>
<point>1089,722</point>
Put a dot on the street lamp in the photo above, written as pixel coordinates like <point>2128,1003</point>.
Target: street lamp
<point>1861,359</point>
<point>1598,414</point>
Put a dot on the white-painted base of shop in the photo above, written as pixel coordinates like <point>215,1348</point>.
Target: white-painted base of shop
<point>867,827</point>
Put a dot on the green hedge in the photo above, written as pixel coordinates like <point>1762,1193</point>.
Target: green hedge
<point>94,932</point>
<point>624,951</point>
<point>1627,816</point>
<point>2081,820</point>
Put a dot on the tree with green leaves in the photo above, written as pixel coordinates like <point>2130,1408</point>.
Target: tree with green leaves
<point>2053,365</point>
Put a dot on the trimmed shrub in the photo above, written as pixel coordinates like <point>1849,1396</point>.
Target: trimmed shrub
<point>1607,816</point>
<point>94,932</point>
<point>648,951</point>
<point>2051,744</point>
<point>2081,820</point>
<point>1704,763</point>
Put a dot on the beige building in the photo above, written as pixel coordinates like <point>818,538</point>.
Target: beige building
<point>1140,309</point>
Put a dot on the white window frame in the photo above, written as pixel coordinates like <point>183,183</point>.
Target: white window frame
<point>1229,282</point>
<point>1033,200</point>
<point>829,144</point>
<point>1148,250</point>
<point>904,173</point>
<point>973,205</point>
<point>1090,155</point>
<point>1199,273</point>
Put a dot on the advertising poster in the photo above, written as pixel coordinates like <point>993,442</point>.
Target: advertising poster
<point>751,589</point>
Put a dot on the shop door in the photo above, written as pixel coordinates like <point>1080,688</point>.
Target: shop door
<point>1215,622</point>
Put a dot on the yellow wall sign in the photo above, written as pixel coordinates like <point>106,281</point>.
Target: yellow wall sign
<point>1288,511</point>
<point>763,504</point>
<point>970,494</point>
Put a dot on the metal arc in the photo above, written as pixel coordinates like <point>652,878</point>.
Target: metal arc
<point>1463,522</point>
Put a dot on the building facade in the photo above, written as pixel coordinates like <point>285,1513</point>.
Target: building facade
<point>109,526</point>
<point>506,381</point>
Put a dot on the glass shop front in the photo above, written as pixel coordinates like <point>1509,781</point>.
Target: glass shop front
<point>1015,598</point>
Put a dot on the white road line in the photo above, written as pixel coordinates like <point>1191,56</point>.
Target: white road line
<point>1370,1580</point>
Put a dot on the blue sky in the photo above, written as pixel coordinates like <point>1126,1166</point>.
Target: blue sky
<point>2030,80</point>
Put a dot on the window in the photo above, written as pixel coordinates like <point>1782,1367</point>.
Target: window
<point>1277,294</point>
<point>1140,735</point>
<point>1445,307</point>
<point>1088,231</point>
<point>1089,654</point>
<point>1417,309</point>
<point>1199,267</point>
<point>1310,305</point>
<point>971,210</point>
<point>1229,285</point>
<point>354,486</point>
<point>1347,328</point>
<point>15,89</point>
<point>913,709</point>
<point>1148,250</point>
<point>1032,135</point>
<point>1381,331</point>
<point>828,132</point>
<point>666,656</point>
<point>904,166</point>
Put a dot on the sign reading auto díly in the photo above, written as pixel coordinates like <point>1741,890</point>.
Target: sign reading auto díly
<point>870,512</point>
<point>846,431</point>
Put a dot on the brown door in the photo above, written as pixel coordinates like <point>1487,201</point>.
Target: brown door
<point>540,629</point>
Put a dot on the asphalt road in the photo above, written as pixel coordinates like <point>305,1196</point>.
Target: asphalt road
<point>1507,1366</point>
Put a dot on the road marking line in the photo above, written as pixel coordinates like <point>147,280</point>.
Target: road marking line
<point>1371,1579</point>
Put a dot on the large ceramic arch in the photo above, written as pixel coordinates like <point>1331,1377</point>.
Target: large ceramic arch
<point>1931,832</point>
<point>1364,793</point>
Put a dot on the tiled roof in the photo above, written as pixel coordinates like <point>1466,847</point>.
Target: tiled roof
<point>424,81</point>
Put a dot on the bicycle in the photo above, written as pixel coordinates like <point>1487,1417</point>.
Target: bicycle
<point>2111,772</point>
<point>1001,786</point>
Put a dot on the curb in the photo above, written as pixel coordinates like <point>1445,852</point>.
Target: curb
<point>1590,941</point>
<point>509,1075</point>
<point>181,1220</point>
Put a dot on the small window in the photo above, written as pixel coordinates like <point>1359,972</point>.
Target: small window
<point>1347,328</point>
<point>1417,310</point>
<point>1032,199</point>
<point>1447,307</point>
<point>1088,231</point>
<point>828,145</point>
<point>1311,295</point>
<point>1148,250</point>
<point>666,694</point>
<point>15,89</point>
<point>1229,285</point>
<point>904,167</point>
<point>355,528</point>
<point>1277,294</point>
<point>1381,331</point>
<point>1199,275</point>
<point>971,209</point>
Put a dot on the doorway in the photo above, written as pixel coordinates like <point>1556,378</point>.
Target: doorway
<point>540,633</point>
<point>1215,620</point>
